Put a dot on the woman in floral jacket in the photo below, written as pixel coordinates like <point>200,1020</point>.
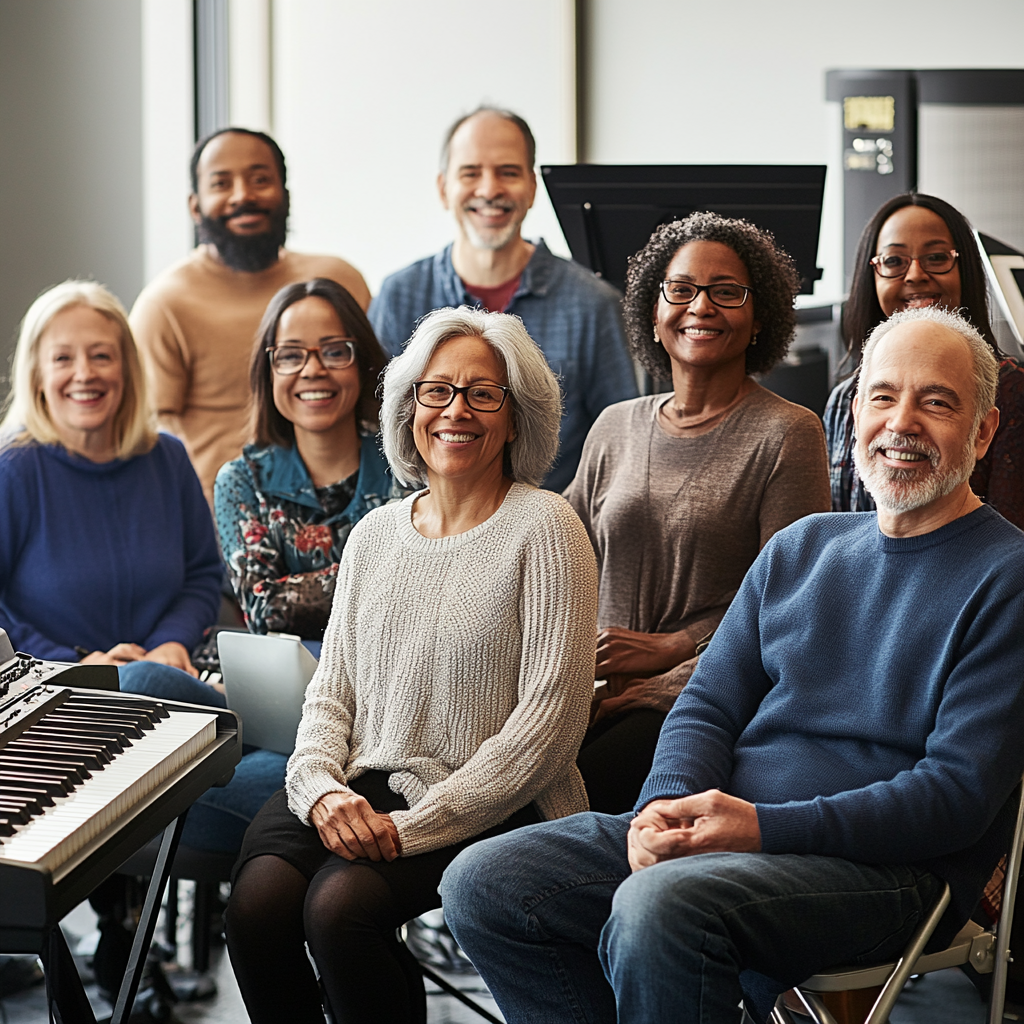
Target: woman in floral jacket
<point>286,506</point>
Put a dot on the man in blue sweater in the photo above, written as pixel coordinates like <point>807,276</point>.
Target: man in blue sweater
<point>848,743</point>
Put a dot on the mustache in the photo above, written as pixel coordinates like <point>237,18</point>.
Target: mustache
<point>243,211</point>
<point>910,444</point>
<point>490,204</point>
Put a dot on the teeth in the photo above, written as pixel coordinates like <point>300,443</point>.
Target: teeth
<point>456,438</point>
<point>85,396</point>
<point>315,396</point>
<point>904,456</point>
<point>701,332</point>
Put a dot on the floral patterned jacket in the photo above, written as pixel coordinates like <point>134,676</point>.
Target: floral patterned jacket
<point>282,537</point>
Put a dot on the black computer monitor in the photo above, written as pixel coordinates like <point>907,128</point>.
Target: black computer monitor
<point>608,212</point>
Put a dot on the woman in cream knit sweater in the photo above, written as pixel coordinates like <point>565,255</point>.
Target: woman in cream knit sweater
<point>453,689</point>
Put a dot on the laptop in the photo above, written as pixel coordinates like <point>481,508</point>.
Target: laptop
<point>265,680</point>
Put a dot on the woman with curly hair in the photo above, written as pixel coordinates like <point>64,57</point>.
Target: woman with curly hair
<point>917,250</point>
<point>680,492</point>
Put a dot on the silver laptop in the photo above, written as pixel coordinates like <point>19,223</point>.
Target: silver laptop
<point>265,679</point>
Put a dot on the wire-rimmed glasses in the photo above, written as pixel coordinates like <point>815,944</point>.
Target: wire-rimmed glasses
<point>896,264</point>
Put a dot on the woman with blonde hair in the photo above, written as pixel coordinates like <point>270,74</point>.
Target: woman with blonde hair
<point>107,548</point>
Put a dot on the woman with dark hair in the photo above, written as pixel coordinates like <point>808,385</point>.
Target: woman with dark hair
<point>917,250</point>
<point>680,492</point>
<point>286,506</point>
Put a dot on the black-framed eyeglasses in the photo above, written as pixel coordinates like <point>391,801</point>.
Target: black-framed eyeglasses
<point>729,296</point>
<point>333,355</point>
<point>439,394</point>
<point>896,264</point>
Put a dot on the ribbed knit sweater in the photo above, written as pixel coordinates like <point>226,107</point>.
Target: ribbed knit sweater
<point>867,694</point>
<point>463,666</point>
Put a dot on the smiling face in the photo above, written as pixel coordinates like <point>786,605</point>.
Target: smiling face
<point>488,184</point>
<point>81,377</point>
<point>699,333</point>
<point>316,399</point>
<point>458,443</point>
<point>916,440</point>
<point>914,231</point>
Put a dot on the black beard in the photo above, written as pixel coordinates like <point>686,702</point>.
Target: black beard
<point>248,253</point>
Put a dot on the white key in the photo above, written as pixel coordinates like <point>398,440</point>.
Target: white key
<point>60,831</point>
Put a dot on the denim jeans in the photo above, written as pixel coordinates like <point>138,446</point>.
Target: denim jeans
<point>155,680</point>
<point>562,931</point>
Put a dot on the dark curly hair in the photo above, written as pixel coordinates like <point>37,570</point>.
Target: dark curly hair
<point>773,277</point>
<point>862,313</point>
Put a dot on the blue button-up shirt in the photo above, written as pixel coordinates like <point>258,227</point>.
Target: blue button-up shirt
<point>572,315</point>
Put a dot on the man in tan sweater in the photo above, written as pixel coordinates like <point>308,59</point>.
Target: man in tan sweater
<point>196,322</point>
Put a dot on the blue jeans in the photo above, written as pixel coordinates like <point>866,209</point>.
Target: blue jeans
<point>562,931</point>
<point>152,679</point>
<point>218,819</point>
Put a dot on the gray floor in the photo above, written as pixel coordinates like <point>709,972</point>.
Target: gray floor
<point>946,997</point>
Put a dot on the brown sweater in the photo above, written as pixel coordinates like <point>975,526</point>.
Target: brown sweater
<point>677,521</point>
<point>195,325</point>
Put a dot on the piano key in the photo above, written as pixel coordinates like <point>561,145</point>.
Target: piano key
<point>91,754</point>
<point>74,770</point>
<point>18,790</point>
<point>139,705</point>
<point>87,716</point>
<point>53,784</point>
<point>122,730</point>
<point>7,826</point>
<point>52,837</point>
<point>16,813</point>
<point>108,743</point>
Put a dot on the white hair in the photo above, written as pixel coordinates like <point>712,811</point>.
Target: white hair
<point>536,400</point>
<point>986,368</point>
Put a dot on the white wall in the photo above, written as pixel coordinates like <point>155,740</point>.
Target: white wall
<point>742,83</point>
<point>363,93</point>
<point>70,151</point>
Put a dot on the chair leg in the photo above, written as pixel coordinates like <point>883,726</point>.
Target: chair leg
<point>171,918</point>
<point>201,928</point>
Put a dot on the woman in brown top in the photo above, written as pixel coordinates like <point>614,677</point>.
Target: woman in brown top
<point>680,492</point>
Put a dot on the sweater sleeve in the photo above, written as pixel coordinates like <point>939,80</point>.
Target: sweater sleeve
<point>317,765</point>
<point>196,606</point>
<point>540,738</point>
<point>798,484</point>
<point>951,795</point>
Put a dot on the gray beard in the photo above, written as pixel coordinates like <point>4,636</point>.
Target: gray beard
<point>898,490</point>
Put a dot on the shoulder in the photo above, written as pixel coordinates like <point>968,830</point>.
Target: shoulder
<point>170,284</point>
<point>415,275</point>
<point>545,518</point>
<point>17,460</point>
<point>781,416</point>
<point>621,420</point>
<point>299,266</point>
<point>1010,389</point>
<point>169,449</point>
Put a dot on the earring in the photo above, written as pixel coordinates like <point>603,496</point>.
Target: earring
<point>753,340</point>
<point>657,340</point>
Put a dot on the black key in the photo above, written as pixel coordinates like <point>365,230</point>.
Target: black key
<point>152,707</point>
<point>74,766</point>
<point>35,793</point>
<point>19,814</point>
<point>95,727</point>
<point>53,785</point>
<point>140,715</point>
<point>6,826</point>
<point>73,773</point>
<point>28,805</point>
<point>109,743</point>
<point>73,752</point>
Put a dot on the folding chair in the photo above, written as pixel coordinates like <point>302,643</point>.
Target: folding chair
<point>986,951</point>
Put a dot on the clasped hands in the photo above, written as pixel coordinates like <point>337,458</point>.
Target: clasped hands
<point>632,664</point>
<point>352,829</point>
<point>171,653</point>
<point>708,822</point>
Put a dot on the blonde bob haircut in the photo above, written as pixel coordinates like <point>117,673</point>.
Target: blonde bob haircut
<point>536,400</point>
<point>27,418</point>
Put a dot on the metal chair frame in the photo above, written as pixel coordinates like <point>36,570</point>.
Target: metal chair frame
<point>986,951</point>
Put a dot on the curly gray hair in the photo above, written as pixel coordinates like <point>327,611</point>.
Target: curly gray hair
<point>534,394</point>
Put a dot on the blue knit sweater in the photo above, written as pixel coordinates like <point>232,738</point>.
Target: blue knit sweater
<point>93,554</point>
<point>865,692</point>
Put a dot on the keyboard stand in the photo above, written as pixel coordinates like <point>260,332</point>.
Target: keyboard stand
<point>65,994</point>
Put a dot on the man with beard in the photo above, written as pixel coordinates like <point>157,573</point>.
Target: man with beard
<point>488,183</point>
<point>847,744</point>
<point>196,322</point>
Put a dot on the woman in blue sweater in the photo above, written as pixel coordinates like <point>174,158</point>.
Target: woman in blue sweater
<point>107,549</point>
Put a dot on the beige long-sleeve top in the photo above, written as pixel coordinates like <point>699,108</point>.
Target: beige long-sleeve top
<point>677,521</point>
<point>195,325</point>
<point>462,665</point>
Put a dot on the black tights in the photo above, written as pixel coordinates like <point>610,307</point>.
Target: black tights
<point>348,914</point>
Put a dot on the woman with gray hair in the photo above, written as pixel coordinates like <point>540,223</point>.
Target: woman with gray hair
<point>453,688</point>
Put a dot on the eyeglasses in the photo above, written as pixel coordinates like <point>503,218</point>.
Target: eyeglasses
<point>893,264</point>
<point>729,296</point>
<point>333,355</point>
<point>438,394</point>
